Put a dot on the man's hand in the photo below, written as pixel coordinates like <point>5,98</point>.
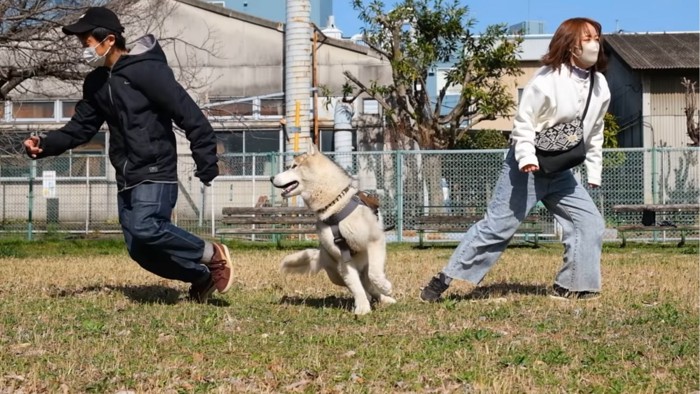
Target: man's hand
<point>530,168</point>
<point>208,174</point>
<point>31,145</point>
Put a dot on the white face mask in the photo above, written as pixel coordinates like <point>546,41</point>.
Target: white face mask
<point>91,57</point>
<point>587,55</point>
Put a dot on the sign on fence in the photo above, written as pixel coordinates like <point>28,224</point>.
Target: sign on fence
<point>49,183</point>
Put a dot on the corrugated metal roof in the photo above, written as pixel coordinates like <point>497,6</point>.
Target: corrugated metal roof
<point>657,51</point>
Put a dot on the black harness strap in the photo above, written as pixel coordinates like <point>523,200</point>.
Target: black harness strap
<point>334,220</point>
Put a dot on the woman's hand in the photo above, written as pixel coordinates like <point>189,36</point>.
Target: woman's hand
<point>530,168</point>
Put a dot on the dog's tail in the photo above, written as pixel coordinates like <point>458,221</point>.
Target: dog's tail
<point>302,262</point>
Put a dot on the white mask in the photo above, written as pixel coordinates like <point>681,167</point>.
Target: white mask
<point>91,57</point>
<point>588,53</point>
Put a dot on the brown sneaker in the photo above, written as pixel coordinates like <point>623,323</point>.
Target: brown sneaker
<point>221,268</point>
<point>201,292</point>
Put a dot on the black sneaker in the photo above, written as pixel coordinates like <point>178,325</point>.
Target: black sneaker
<point>562,293</point>
<point>200,292</point>
<point>437,286</point>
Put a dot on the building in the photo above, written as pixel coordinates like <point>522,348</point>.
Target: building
<point>532,49</point>
<point>527,28</point>
<point>237,59</point>
<point>275,10</point>
<point>644,74</point>
<point>221,56</point>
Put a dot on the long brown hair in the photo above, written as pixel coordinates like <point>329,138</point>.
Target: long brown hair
<point>567,37</point>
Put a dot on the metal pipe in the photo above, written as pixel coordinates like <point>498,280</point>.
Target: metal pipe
<point>297,37</point>
<point>314,85</point>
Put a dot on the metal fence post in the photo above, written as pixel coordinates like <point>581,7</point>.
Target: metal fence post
<point>87,194</point>
<point>653,175</point>
<point>32,175</point>
<point>252,178</point>
<point>213,214</point>
<point>274,157</point>
<point>202,203</point>
<point>399,196</point>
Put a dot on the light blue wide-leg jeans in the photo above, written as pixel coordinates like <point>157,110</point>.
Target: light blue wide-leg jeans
<point>515,194</point>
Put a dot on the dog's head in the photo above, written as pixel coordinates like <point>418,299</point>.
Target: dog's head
<point>311,173</point>
<point>290,180</point>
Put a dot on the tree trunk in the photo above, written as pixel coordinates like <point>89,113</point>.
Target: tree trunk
<point>432,174</point>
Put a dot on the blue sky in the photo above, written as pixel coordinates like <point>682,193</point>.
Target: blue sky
<point>627,15</point>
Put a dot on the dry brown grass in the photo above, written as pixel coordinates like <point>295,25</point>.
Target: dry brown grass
<point>102,324</point>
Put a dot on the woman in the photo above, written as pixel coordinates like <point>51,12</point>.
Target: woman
<point>558,93</point>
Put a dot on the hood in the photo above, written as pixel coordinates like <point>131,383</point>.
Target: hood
<point>145,48</point>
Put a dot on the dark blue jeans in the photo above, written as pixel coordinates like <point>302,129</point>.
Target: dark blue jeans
<point>153,241</point>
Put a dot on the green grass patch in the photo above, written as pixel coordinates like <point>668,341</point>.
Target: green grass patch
<point>80,316</point>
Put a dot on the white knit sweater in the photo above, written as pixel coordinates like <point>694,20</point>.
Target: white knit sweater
<point>553,97</point>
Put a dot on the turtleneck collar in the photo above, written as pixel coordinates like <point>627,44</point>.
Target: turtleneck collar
<point>579,72</point>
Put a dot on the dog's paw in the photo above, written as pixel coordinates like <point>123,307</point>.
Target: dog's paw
<point>383,299</point>
<point>362,309</point>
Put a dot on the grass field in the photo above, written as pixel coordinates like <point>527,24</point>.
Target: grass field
<point>78,316</point>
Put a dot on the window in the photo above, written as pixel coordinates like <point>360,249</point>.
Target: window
<point>80,162</point>
<point>370,106</point>
<point>33,109</point>
<point>272,107</point>
<point>231,146</point>
<point>520,94</point>
<point>67,109</point>
<point>87,159</point>
<point>37,110</point>
<point>74,163</point>
<point>327,137</point>
<point>232,109</point>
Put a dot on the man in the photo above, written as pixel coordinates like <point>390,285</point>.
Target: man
<point>136,93</point>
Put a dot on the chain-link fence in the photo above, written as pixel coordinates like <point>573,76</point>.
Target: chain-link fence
<point>75,193</point>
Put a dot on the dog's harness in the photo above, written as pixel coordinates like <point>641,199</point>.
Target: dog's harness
<point>334,220</point>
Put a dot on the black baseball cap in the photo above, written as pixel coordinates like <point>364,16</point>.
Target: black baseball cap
<point>95,17</point>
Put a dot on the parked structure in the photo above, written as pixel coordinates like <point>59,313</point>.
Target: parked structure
<point>644,74</point>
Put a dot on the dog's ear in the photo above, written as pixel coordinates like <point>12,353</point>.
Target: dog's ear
<point>311,149</point>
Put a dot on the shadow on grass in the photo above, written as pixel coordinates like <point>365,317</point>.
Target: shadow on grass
<point>149,294</point>
<point>345,303</point>
<point>452,245</point>
<point>144,294</point>
<point>500,290</point>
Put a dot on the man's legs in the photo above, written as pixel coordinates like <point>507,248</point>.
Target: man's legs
<point>163,248</point>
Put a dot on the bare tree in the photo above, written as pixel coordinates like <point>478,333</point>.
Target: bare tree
<point>691,110</point>
<point>37,59</point>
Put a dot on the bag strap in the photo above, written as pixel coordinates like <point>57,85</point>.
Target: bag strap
<point>588,100</point>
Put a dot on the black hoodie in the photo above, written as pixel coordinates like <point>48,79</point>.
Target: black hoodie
<point>139,99</point>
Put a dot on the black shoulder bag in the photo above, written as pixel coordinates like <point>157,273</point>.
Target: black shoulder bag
<point>561,147</point>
